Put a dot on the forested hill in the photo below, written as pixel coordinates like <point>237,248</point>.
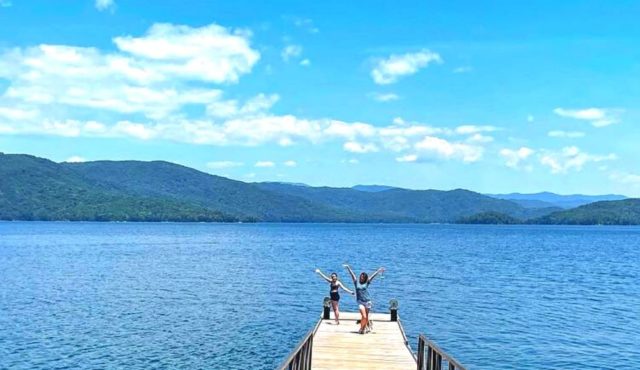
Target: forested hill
<point>615,212</point>
<point>33,188</point>
<point>37,189</point>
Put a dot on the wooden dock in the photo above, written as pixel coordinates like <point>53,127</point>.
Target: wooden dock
<point>341,347</point>
<point>331,346</point>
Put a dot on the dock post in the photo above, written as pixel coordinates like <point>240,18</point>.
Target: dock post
<point>326,308</point>
<point>393,309</point>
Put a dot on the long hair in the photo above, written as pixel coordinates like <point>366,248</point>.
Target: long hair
<point>364,276</point>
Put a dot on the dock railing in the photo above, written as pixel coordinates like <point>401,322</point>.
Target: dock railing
<point>431,357</point>
<point>300,357</point>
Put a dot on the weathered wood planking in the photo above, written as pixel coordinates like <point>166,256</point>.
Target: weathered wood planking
<point>341,347</point>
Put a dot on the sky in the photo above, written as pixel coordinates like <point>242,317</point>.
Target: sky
<point>495,97</point>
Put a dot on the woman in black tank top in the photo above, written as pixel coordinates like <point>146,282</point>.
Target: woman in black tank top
<point>334,286</point>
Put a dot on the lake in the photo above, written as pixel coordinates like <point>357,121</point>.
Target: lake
<point>240,296</point>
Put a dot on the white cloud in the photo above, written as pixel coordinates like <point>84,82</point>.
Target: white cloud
<point>464,69</point>
<point>473,129</point>
<point>211,53</point>
<point>291,52</point>
<point>305,62</point>
<point>75,159</point>
<point>151,74</point>
<point>17,114</point>
<point>599,117</point>
<point>290,163</point>
<point>103,5</point>
<point>146,87</point>
<point>625,178</point>
<point>479,138</point>
<point>435,146</point>
<point>355,147</point>
<point>224,164</point>
<point>515,157</point>
<point>384,97</point>
<point>5,3</point>
<point>265,164</point>
<point>530,118</point>
<point>570,158</point>
<point>407,158</point>
<point>257,105</point>
<point>388,71</point>
<point>566,134</point>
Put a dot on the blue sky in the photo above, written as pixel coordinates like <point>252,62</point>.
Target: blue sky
<point>501,96</point>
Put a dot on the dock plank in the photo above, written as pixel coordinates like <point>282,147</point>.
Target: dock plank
<point>341,347</point>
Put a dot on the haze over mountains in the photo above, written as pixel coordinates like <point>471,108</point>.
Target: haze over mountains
<point>546,199</point>
<point>33,188</point>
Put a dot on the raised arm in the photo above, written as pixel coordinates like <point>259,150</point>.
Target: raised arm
<point>381,269</point>
<point>353,276</point>
<point>323,275</point>
<point>345,288</point>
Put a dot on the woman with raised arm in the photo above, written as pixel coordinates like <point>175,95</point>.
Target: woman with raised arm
<point>335,285</point>
<point>362,295</point>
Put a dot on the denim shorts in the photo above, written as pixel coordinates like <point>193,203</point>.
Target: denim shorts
<point>366,304</point>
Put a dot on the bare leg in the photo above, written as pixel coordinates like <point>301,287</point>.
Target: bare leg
<point>363,318</point>
<point>336,311</point>
<point>369,323</point>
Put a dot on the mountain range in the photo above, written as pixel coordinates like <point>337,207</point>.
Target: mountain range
<point>33,188</point>
<point>547,199</point>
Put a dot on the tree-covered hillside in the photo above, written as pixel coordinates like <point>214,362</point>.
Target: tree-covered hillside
<point>33,188</point>
<point>616,212</point>
<point>37,189</point>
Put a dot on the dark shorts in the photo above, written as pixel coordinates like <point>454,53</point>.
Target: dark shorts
<point>335,296</point>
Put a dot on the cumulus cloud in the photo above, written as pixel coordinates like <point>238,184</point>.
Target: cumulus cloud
<point>290,163</point>
<point>479,138</point>
<point>16,114</point>
<point>384,97</point>
<point>291,52</point>
<point>474,129</point>
<point>265,164</point>
<point>389,70</point>
<point>626,178</point>
<point>355,147</point>
<point>257,105</point>
<point>407,158</point>
<point>599,117</point>
<point>75,159</point>
<point>216,165</point>
<point>442,148</point>
<point>148,74</point>
<point>566,134</point>
<point>571,158</point>
<point>514,157</point>
<point>168,84</point>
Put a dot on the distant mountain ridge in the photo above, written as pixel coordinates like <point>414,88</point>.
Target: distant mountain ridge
<point>34,188</point>
<point>547,199</point>
<point>373,188</point>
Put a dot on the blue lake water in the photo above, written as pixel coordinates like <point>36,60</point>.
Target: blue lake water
<point>183,296</point>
